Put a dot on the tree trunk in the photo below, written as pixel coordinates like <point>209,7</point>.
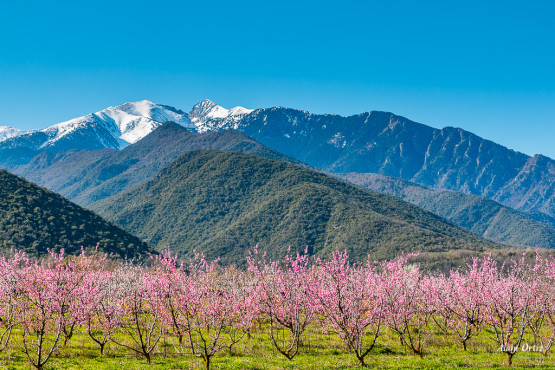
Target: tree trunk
<point>361,361</point>
<point>510,358</point>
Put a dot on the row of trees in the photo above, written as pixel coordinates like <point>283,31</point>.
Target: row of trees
<point>207,308</point>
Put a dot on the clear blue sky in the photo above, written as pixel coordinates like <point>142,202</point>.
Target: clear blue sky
<point>488,67</point>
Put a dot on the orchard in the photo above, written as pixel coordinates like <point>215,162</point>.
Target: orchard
<point>200,309</point>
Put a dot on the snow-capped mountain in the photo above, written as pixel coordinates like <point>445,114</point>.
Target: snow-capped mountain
<point>113,127</point>
<point>127,123</point>
<point>208,116</point>
<point>7,132</point>
<point>136,120</point>
<point>117,127</point>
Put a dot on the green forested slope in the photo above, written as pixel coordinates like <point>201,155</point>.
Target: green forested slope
<point>223,203</point>
<point>34,219</point>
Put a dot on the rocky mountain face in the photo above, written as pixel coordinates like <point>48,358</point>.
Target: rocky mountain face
<point>114,127</point>
<point>208,116</point>
<point>380,142</point>
<point>7,132</point>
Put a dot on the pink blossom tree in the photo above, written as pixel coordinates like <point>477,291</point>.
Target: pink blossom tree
<point>241,288</point>
<point>46,291</point>
<point>282,298</point>
<point>350,299</point>
<point>102,309</point>
<point>409,303</point>
<point>215,310</point>
<point>9,296</point>
<point>460,301</point>
<point>141,318</point>
<point>507,298</point>
<point>175,284</point>
<point>541,315</point>
<point>84,270</point>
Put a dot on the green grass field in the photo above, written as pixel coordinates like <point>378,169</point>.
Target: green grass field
<point>319,352</point>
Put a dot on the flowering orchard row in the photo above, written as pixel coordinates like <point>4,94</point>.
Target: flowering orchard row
<point>206,308</point>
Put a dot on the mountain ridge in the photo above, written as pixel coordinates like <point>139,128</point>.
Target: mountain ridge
<point>113,127</point>
<point>89,176</point>
<point>381,142</point>
<point>478,214</point>
<point>373,142</point>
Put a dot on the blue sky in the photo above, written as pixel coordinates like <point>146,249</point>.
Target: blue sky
<point>487,67</point>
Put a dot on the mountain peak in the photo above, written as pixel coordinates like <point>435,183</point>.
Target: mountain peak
<point>113,127</point>
<point>7,132</point>
<point>208,116</point>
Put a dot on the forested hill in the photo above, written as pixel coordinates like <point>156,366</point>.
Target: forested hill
<point>224,203</point>
<point>34,219</point>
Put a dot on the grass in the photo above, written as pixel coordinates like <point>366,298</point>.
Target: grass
<point>319,351</point>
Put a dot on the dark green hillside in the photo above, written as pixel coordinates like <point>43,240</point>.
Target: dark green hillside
<point>223,203</point>
<point>88,176</point>
<point>478,214</point>
<point>34,219</point>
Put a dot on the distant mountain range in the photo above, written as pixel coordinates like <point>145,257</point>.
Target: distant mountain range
<point>224,203</point>
<point>87,177</point>
<point>494,191</point>
<point>380,142</point>
<point>375,142</point>
<point>478,214</point>
<point>34,220</point>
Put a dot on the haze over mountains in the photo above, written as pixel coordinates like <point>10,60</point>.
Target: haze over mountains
<point>496,192</point>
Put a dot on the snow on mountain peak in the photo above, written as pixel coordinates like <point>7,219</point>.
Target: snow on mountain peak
<point>208,116</point>
<point>119,126</point>
<point>137,119</point>
<point>7,132</point>
<point>127,123</point>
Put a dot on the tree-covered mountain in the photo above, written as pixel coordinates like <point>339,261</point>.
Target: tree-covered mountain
<point>34,220</point>
<point>88,176</point>
<point>224,203</point>
<point>478,214</point>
